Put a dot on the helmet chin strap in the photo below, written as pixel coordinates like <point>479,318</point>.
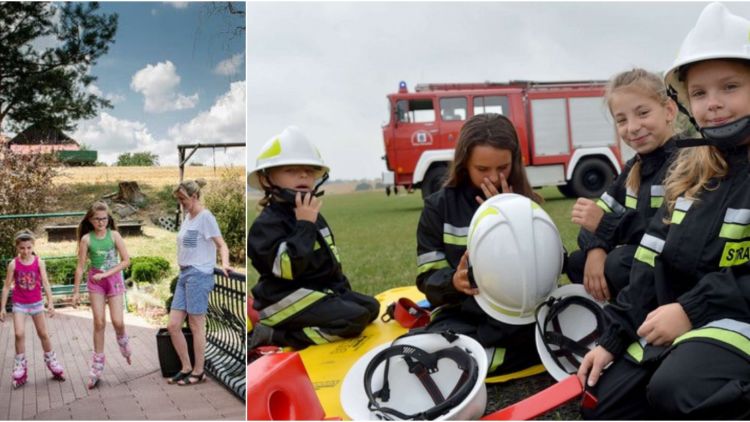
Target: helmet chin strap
<point>724,137</point>
<point>290,195</point>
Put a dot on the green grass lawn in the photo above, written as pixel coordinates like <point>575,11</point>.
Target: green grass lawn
<point>377,235</point>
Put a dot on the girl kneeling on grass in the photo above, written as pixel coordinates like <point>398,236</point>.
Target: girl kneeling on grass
<point>487,162</point>
<point>303,296</point>
<point>99,242</point>
<point>28,274</point>
<point>612,227</point>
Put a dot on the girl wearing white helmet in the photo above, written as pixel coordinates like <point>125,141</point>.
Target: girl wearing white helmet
<point>302,294</point>
<point>678,337</point>
<point>487,161</point>
<point>612,226</point>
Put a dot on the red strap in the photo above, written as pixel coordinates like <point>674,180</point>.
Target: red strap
<point>410,315</point>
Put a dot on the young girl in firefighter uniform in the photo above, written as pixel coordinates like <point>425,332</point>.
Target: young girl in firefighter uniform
<point>487,161</point>
<point>302,295</point>
<point>612,227</point>
<point>678,337</point>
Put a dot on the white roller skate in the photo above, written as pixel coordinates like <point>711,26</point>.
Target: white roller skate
<point>20,371</point>
<point>122,341</point>
<point>97,368</point>
<point>54,366</point>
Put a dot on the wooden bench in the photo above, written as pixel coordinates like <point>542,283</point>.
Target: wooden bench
<point>65,232</point>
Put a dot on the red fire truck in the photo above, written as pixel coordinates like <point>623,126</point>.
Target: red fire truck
<point>567,138</point>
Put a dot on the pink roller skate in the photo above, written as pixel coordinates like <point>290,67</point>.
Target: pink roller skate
<point>122,341</point>
<point>20,371</point>
<point>54,366</point>
<point>97,368</point>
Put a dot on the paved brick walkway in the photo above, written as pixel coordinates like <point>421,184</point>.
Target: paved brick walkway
<point>132,392</point>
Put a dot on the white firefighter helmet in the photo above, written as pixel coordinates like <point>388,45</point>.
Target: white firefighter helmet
<point>718,34</point>
<point>568,324</point>
<point>516,257</point>
<point>427,376</point>
<point>290,147</point>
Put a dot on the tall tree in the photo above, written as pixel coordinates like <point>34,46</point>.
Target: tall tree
<point>46,53</point>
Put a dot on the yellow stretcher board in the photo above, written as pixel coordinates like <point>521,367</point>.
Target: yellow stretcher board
<point>328,364</point>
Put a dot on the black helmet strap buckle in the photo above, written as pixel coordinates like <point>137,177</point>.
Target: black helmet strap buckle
<point>422,364</point>
<point>567,348</point>
<point>289,195</point>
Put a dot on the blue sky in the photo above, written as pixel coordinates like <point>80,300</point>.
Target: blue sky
<point>175,74</point>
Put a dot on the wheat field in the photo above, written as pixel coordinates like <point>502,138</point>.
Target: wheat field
<point>154,176</point>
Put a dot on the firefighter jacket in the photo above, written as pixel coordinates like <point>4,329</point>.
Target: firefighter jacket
<point>293,257</point>
<point>626,215</point>
<point>441,242</point>
<point>701,261</point>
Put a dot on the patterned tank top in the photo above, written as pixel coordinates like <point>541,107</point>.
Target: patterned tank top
<point>102,252</point>
<point>27,282</point>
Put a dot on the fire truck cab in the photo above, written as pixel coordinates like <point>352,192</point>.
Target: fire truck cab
<point>564,130</point>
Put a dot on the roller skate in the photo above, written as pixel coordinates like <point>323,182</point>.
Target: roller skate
<point>122,341</point>
<point>54,366</point>
<point>97,368</point>
<point>20,371</point>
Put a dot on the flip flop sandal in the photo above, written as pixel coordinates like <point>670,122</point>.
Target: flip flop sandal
<point>178,377</point>
<point>189,379</point>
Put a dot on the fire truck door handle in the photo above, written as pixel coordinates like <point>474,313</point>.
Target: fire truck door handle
<point>450,137</point>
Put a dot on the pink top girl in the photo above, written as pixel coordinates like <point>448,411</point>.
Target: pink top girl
<point>27,286</point>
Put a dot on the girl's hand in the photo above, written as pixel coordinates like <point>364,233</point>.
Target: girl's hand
<point>51,309</point>
<point>461,277</point>
<point>76,299</point>
<point>593,364</point>
<point>593,275</point>
<point>226,269</point>
<point>2,315</point>
<point>489,189</point>
<point>587,214</point>
<point>98,276</point>
<point>664,324</point>
<point>307,207</point>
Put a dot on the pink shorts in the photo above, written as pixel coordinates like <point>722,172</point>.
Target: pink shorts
<point>108,286</point>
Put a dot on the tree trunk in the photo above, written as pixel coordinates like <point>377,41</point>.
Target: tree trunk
<point>130,192</point>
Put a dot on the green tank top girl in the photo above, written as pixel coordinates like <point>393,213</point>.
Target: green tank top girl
<point>102,252</point>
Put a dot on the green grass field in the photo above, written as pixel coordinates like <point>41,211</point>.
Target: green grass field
<point>377,235</point>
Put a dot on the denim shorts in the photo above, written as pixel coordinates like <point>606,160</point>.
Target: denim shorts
<point>191,293</point>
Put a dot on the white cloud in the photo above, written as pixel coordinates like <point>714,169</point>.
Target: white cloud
<point>224,122</point>
<point>230,66</point>
<point>111,136</point>
<point>178,4</point>
<point>113,98</point>
<point>158,83</point>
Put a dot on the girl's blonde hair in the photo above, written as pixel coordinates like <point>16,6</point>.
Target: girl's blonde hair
<point>85,225</point>
<point>646,83</point>
<point>691,172</point>
<point>190,187</point>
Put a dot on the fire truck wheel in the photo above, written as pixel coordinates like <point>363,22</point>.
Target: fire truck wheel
<point>567,190</point>
<point>433,180</point>
<point>591,177</point>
